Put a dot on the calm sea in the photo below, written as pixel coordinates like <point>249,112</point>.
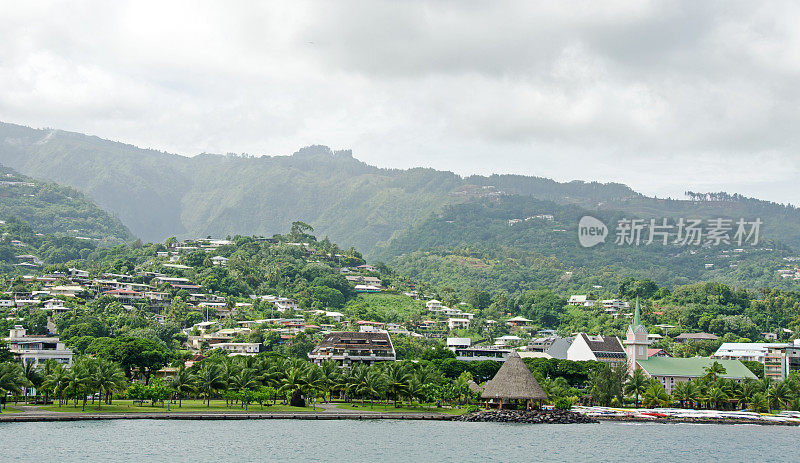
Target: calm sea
<point>388,441</point>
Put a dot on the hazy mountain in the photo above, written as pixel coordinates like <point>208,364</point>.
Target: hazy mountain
<point>158,194</point>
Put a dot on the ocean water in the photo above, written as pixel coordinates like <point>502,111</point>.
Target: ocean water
<point>382,441</point>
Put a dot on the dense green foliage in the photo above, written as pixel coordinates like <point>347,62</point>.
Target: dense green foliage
<point>58,210</point>
<point>472,245</point>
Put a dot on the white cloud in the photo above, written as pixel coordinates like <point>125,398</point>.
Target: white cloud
<point>664,96</point>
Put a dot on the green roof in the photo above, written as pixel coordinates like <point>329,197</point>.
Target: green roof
<point>693,367</point>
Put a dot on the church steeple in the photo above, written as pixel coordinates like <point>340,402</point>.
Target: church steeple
<point>636,342</point>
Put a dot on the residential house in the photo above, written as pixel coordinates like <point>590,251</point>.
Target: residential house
<point>457,323</point>
<point>37,349</point>
<point>238,348</point>
<point>691,337</point>
<point>580,300</point>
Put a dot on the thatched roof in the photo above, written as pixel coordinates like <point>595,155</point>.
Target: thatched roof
<point>514,381</point>
<point>474,387</point>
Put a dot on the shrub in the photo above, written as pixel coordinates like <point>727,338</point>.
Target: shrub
<point>563,404</point>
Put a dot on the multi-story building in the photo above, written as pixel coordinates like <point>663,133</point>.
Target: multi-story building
<point>37,349</point>
<point>347,348</point>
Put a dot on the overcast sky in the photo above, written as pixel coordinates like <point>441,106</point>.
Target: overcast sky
<point>663,96</point>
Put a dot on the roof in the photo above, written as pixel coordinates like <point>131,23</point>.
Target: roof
<point>559,348</point>
<point>698,336</point>
<point>513,381</point>
<point>693,367</point>
<point>346,339</point>
<point>603,343</point>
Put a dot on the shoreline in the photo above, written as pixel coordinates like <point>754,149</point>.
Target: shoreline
<point>215,416</point>
<point>658,420</point>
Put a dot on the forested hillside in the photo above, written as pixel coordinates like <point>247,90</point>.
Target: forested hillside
<point>474,245</point>
<point>54,209</point>
<point>384,212</point>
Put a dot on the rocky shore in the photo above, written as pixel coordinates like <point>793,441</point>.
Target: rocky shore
<point>527,416</point>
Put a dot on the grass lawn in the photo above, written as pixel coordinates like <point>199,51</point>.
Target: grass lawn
<point>404,408</point>
<point>11,410</point>
<point>126,406</point>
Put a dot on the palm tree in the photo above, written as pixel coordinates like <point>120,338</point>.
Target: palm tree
<point>11,379</point>
<point>331,374</point>
<point>246,378</point>
<point>107,377</point>
<point>47,369</point>
<point>374,384</point>
<point>714,371</point>
<point>183,382</point>
<point>80,380</point>
<point>57,381</point>
<point>655,395</point>
<point>778,395</point>
<point>636,385</point>
<point>293,384</point>
<point>209,379</point>
<point>715,396</point>
<point>685,392</point>
<point>397,380</point>
<point>32,378</point>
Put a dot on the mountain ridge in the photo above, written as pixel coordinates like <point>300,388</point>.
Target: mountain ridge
<point>158,194</point>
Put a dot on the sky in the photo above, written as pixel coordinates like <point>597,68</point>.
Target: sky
<point>665,96</point>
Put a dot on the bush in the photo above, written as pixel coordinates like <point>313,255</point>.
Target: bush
<point>472,408</point>
<point>563,404</point>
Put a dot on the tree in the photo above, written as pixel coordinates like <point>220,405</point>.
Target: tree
<point>32,377</point>
<point>714,371</point>
<point>293,384</point>
<point>106,377</point>
<point>209,379</point>
<point>397,380</point>
<point>183,382</point>
<point>11,379</point>
<point>636,385</point>
<point>655,395</point>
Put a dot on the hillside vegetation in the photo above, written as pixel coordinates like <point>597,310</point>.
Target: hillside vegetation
<point>55,209</point>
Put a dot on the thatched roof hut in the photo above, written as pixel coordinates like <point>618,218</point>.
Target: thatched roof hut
<point>474,387</point>
<point>514,381</point>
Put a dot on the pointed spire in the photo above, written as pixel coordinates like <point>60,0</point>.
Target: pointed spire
<point>636,316</point>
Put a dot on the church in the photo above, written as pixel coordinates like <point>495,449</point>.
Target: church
<point>669,370</point>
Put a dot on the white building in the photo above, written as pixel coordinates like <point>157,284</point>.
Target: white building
<point>607,349</point>
<point>457,323</point>
<point>458,343</point>
<point>580,300</point>
<point>237,348</point>
<point>37,349</point>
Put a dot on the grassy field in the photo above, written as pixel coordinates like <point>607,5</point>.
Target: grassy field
<point>11,410</point>
<point>387,307</point>
<point>126,406</point>
<point>404,408</point>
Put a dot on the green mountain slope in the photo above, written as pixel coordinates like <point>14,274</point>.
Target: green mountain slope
<point>53,209</point>
<point>473,245</point>
<point>159,195</point>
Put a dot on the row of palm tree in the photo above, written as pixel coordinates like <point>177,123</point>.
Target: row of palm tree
<point>297,380</point>
<point>716,392</point>
<point>85,377</point>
